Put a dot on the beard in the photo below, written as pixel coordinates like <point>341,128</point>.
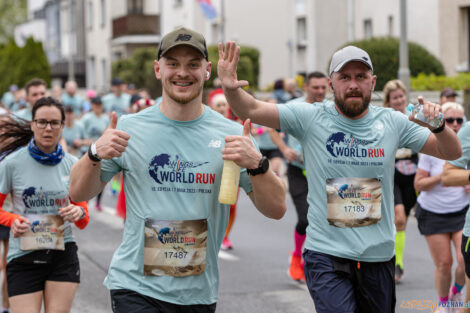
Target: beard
<point>183,99</point>
<point>352,109</point>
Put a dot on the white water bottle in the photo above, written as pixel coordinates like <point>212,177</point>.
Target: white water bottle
<point>229,184</point>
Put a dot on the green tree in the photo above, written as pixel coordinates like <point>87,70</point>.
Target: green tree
<point>138,70</point>
<point>384,54</point>
<point>12,13</point>
<point>33,63</point>
<point>19,65</point>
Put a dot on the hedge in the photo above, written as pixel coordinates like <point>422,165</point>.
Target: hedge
<point>384,52</point>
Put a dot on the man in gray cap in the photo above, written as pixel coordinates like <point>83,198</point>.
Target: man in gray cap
<point>172,155</point>
<point>349,148</point>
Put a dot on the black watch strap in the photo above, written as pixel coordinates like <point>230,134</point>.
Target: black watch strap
<point>262,168</point>
<point>91,156</point>
<point>440,128</point>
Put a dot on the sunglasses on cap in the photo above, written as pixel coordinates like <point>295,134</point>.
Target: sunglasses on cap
<point>451,120</point>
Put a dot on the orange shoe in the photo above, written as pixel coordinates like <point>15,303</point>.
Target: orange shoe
<point>296,271</point>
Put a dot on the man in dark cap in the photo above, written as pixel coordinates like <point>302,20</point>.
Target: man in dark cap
<point>447,95</point>
<point>172,155</point>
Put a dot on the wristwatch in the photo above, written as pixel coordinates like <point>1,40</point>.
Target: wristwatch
<point>92,154</point>
<point>262,168</point>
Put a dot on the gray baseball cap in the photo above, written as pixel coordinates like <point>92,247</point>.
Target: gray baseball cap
<point>346,55</point>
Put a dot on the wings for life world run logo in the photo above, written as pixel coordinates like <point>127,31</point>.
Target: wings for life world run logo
<point>40,199</point>
<point>164,168</point>
<point>346,145</point>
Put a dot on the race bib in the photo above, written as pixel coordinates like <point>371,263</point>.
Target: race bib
<point>46,232</point>
<point>175,248</point>
<point>353,202</point>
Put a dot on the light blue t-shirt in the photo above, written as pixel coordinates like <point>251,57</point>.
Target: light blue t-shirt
<point>73,133</point>
<point>8,100</point>
<point>338,147</point>
<point>75,101</point>
<point>117,104</point>
<point>293,142</point>
<point>35,189</point>
<point>463,162</point>
<point>172,171</point>
<point>25,113</point>
<point>94,125</point>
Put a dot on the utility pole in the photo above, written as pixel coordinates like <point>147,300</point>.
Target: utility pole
<point>404,71</point>
<point>71,43</point>
<point>222,21</point>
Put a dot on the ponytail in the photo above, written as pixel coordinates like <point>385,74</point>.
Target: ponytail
<point>15,132</point>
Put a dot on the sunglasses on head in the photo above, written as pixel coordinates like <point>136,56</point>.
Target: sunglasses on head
<point>451,120</point>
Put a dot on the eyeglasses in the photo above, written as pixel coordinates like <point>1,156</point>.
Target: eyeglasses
<point>55,124</point>
<point>451,120</point>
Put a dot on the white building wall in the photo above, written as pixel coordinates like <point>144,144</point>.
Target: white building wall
<point>98,39</point>
<point>33,28</point>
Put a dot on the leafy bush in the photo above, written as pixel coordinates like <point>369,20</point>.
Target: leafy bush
<point>384,52</point>
<point>433,82</point>
<point>246,70</point>
<point>19,65</point>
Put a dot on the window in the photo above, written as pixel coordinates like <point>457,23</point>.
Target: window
<point>301,31</point>
<point>367,29</point>
<point>91,73</point>
<point>89,17</point>
<point>135,6</point>
<point>390,25</point>
<point>104,73</point>
<point>103,13</point>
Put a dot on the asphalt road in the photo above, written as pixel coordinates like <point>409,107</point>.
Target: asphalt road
<point>253,276</point>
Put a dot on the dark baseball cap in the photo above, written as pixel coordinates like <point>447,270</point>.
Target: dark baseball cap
<point>183,36</point>
<point>348,54</point>
<point>448,92</point>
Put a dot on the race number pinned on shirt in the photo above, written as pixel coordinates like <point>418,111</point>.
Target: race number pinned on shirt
<point>175,248</point>
<point>353,202</point>
<point>46,232</point>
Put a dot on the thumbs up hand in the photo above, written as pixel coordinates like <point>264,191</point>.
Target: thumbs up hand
<point>241,150</point>
<point>112,142</point>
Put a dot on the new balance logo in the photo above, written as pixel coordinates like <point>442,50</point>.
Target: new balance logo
<point>183,37</point>
<point>214,143</point>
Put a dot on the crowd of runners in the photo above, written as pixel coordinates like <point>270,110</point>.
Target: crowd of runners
<point>355,172</point>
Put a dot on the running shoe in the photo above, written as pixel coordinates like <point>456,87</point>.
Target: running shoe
<point>446,310</point>
<point>226,244</point>
<point>458,297</point>
<point>399,273</point>
<point>296,271</point>
<point>99,208</point>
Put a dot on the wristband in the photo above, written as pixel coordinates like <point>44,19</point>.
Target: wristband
<point>440,128</point>
<point>83,213</point>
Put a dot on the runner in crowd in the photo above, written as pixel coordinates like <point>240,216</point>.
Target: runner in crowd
<point>74,134</point>
<point>35,89</point>
<point>349,150</point>
<point>35,171</point>
<point>447,95</point>
<point>406,163</point>
<point>70,98</point>
<point>94,124</point>
<point>117,100</point>
<point>172,156</point>
<point>315,87</point>
<point>441,215</point>
<point>218,103</point>
<point>457,173</point>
